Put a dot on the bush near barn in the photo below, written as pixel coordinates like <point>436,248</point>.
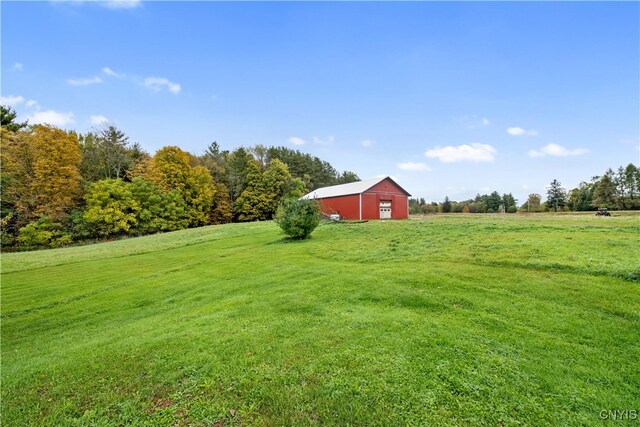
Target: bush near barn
<point>298,217</point>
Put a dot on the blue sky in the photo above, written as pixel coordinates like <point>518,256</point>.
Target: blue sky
<point>449,98</point>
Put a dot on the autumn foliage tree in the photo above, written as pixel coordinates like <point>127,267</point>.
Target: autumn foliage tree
<point>221,207</point>
<point>56,173</point>
<point>170,169</point>
<point>41,174</point>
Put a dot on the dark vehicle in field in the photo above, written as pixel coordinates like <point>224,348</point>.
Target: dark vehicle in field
<point>603,212</point>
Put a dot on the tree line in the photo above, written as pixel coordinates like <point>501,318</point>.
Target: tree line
<point>613,190</point>
<point>618,190</point>
<point>485,203</point>
<point>61,186</point>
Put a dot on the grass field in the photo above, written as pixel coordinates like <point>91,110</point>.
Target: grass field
<point>452,320</point>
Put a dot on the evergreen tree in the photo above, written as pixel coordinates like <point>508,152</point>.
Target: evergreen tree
<point>605,192</point>
<point>8,120</point>
<point>556,195</point>
<point>493,202</point>
<point>107,153</point>
<point>237,167</point>
<point>509,202</point>
<point>627,180</point>
<point>214,160</point>
<point>446,205</point>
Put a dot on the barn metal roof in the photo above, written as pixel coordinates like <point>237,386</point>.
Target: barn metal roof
<point>357,187</point>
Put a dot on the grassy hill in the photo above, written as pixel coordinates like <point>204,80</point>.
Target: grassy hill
<point>454,320</point>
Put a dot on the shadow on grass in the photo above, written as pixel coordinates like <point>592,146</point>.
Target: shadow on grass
<point>286,239</point>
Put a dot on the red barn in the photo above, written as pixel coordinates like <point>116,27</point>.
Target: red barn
<point>379,198</point>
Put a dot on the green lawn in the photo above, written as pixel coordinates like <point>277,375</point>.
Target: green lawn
<point>452,320</point>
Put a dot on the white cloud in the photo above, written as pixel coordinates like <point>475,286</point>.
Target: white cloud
<point>11,101</point>
<point>518,131</point>
<point>98,119</point>
<point>33,104</point>
<point>296,141</point>
<point>17,66</point>
<point>557,151</point>
<point>475,152</point>
<point>109,72</point>
<point>411,166</point>
<point>121,4</point>
<point>159,83</point>
<point>319,141</point>
<point>85,82</point>
<point>366,143</point>
<point>51,117</point>
<point>485,121</point>
<point>109,4</point>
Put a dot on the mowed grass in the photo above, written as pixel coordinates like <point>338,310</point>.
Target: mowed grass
<point>453,320</point>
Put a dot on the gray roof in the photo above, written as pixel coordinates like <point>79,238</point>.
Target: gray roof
<point>357,187</point>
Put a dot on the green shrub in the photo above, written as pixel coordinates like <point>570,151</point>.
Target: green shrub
<point>298,217</point>
<point>43,232</point>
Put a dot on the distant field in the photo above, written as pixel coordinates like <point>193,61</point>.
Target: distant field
<point>448,320</point>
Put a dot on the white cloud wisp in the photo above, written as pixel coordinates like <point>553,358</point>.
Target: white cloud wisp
<point>85,82</point>
<point>518,131</point>
<point>556,150</point>
<point>159,83</point>
<point>11,101</point>
<point>414,166</point>
<point>475,152</point>
<point>319,141</point>
<point>98,120</point>
<point>121,4</point>
<point>109,72</point>
<point>296,140</point>
<point>51,117</point>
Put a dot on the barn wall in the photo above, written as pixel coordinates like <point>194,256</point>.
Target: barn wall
<point>371,205</point>
<point>347,206</point>
<point>385,190</point>
<point>385,187</point>
<point>400,208</point>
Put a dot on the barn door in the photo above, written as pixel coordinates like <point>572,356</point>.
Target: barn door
<point>385,209</point>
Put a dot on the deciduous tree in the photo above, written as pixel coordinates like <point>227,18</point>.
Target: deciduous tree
<point>254,203</point>
<point>111,207</point>
<point>56,173</point>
